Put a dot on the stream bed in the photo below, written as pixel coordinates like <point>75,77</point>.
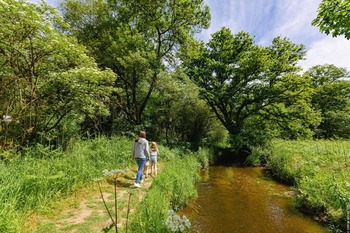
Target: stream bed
<point>243,200</point>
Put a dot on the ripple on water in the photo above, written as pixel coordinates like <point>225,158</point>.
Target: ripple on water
<point>241,199</point>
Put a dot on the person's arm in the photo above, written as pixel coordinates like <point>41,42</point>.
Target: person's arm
<point>147,150</point>
<point>133,151</point>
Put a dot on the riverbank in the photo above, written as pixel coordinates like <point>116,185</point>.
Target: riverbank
<point>319,171</point>
<point>174,186</point>
<point>39,179</point>
<point>84,211</point>
<point>48,189</point>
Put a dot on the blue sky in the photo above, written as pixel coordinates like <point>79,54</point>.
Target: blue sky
<point>266,19</point>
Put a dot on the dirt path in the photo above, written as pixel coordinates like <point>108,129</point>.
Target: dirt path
<point>85,212</point>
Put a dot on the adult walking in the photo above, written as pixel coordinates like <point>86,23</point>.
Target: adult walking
<point>140,152</point>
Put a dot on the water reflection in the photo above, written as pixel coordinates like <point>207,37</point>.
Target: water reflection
<point>241,199</point>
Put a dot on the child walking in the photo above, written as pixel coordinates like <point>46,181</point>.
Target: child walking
<point>145,168</point>
<point>154,152</point>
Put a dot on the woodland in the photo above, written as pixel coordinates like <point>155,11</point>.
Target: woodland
<point>94,68</point>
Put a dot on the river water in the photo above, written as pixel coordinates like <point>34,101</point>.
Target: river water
<point>243,200</point>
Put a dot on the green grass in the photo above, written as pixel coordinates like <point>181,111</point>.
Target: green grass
<point>38,180</point>
<point>37,183</point>
<point>171,190</point>
<point>320,171</point>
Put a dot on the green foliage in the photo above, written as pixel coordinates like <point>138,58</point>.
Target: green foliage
<point>179,116</point>
<point>44,176</point>
<point>320,172</point>
<point>331,98</point>
<point>333,17</point>
<point>172,189</point>
<point>137,40</point>
<point>252,88</point>
<point>46,76</point>
<point>204,156</point>
<point>258,156</point>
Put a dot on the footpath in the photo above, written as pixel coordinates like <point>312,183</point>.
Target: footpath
<point>84,211</point>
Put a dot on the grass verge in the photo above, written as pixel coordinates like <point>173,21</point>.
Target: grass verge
<point>320,172</point>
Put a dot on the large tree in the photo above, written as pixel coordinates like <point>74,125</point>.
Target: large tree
<point>247,85</point>
<point>334,17</point>
<point>45,76</point>
<point>332,100</point>
<point>136,39</point>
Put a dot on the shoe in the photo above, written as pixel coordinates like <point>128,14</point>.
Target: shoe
<point>141,181</point>
<point>137,185</point>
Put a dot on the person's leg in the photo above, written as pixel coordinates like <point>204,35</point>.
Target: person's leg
<point>146,169</point>
<point>151,163</point>
<point>155,166</point>
<point>140,163</point>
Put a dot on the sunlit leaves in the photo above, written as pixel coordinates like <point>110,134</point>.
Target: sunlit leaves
<point>334,17</point>
<point>245,83</point>
<point>137,39</point>
<point>331,99</point>
<point>45,75</point>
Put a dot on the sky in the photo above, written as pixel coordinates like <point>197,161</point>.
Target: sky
<point>267,19</point>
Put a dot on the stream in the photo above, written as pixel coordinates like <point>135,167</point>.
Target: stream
<point>244,200</point>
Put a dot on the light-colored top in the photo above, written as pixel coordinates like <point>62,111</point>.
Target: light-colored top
<point>140,149</point>
<point>154,153</point>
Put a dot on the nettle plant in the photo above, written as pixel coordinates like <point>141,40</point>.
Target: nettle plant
<point>113,175</point>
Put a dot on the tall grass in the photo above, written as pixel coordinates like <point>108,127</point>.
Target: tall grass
<point>320,171</point>
<point>171,190</point>
<point>42,176</point>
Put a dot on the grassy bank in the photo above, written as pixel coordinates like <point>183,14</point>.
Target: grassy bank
<point>42,178</point>
<point>170,192</point>
<point>320,172</point>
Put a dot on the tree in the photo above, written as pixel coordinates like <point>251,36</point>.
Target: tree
<point>137,39</point>
<point>179,116</point>
<point>46,77</point>
<point>334,17</point>
<point>247,85</point>
<point>331,99</point>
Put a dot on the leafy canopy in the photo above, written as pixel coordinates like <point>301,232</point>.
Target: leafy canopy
<point>334,17</point>
<point>137,39</point>
<point>331,99</point>
<point>45,76</point>
<point>248,85</point>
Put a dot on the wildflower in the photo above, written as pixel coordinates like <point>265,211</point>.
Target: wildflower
<point>114,172</point>
<point>175,223</point>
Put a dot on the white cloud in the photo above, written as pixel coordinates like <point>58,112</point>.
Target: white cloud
<point>292,19</point>
<point>265,19</point>
<point>222,15</point>
<point>328,50</point>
